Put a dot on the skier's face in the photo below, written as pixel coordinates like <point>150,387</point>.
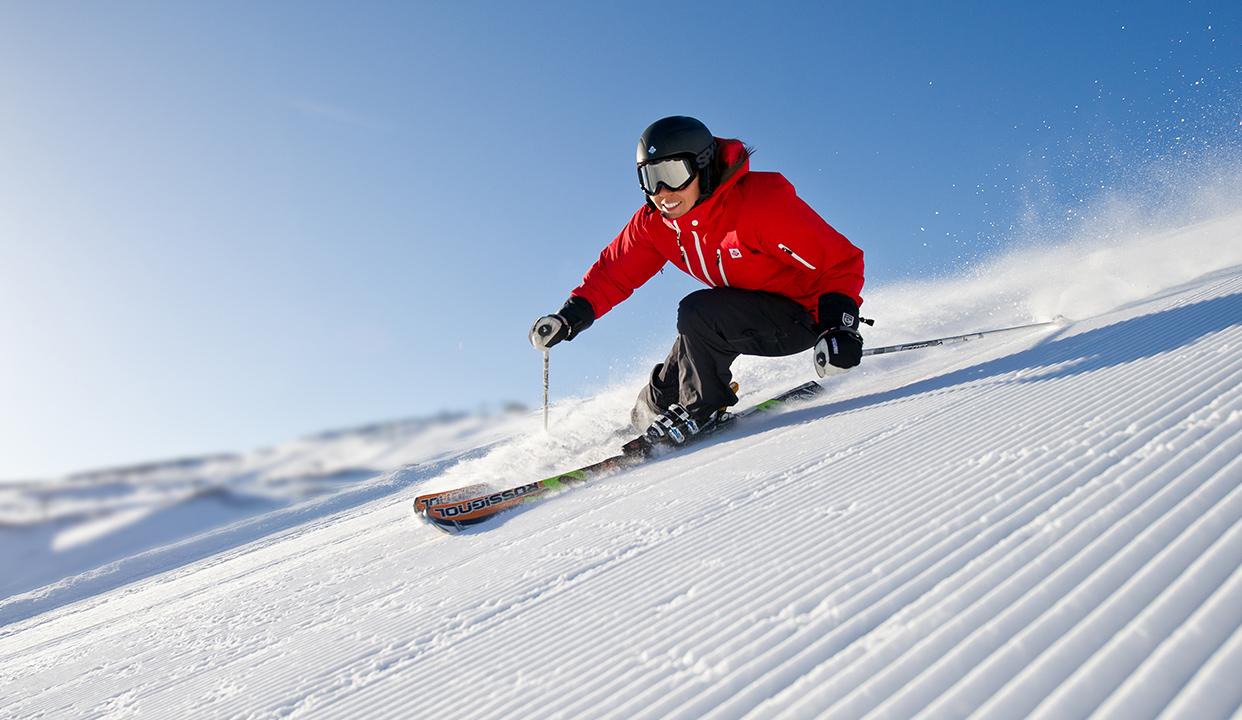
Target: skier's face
<point>675,203</point>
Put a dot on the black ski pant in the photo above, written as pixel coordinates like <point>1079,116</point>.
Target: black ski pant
<point>714,327</point>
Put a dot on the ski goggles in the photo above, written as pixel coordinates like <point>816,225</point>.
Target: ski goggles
<point>673,173</point>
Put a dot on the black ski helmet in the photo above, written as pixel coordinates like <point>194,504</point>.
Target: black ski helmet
<point>680,136</point>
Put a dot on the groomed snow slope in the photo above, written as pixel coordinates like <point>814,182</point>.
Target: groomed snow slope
<point>1048,524</point>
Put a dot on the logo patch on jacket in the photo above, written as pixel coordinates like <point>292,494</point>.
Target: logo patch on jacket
<point>735,253</point>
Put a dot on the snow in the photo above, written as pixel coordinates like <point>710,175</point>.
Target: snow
<point>1041,524</point>
<point>76,536</point>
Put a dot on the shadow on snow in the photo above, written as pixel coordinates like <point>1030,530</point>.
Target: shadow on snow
<point>1113,345</point>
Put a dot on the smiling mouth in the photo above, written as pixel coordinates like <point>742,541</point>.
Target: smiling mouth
<point>666,205</point>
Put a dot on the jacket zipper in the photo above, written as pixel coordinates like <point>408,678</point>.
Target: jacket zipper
<point>684,257</point>
<point>795,256</point>
<point>698,246</point>
<point>720,263</point>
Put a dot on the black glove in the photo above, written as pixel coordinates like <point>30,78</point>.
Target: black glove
<point>839,345</point>
<point>575,316</point>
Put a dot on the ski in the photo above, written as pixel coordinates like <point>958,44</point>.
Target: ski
<point>454,510</point>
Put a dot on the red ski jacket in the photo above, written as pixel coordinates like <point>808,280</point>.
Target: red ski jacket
<point>753,232</point>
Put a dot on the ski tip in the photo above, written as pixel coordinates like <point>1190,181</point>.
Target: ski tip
<point>449,528</point>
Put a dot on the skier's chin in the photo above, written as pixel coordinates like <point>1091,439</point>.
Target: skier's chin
<point>674,212</point>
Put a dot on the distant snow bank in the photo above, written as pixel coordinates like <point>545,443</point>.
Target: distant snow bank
<point>97,524</point>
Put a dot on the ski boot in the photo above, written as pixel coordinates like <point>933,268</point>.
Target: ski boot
<point>675,427</point>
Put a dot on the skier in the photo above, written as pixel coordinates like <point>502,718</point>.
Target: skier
<point>780,279</point>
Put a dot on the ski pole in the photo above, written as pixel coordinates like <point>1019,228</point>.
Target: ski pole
<point>545,390</point>
<point>958,338</point>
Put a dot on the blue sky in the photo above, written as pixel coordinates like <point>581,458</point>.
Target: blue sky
<point>228,224</point>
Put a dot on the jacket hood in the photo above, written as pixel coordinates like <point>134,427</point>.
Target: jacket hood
<point>732,153</point>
